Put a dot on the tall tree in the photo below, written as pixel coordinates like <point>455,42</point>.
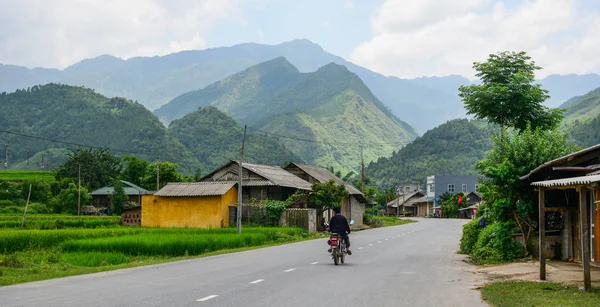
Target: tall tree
<point>135,168</point>
<point>506,196</point>
<point>98,167</point>
<point>167,172</point>
<point>508,96</point>
<point>118,198</point>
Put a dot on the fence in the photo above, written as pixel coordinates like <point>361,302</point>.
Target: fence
<point>302,218</point>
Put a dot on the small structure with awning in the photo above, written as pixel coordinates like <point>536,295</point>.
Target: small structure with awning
<point>569,205</point>
<point>404,205</point>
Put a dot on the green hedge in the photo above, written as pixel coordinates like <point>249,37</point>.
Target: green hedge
<point>471,231</point>
<point>495,244</point>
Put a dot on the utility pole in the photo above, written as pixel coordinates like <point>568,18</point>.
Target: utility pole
<point>362,169</point>
<point>42,161</point>
<point>27,156</point>
<point>157,175</point>
<point>78,189</point>
<point>5,157</point>
<point>240,175</point>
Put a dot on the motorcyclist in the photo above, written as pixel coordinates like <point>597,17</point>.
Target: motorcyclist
<point>339,224</point>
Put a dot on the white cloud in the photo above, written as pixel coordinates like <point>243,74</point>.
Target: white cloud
<point>60,32</point>
<point>431,37</point>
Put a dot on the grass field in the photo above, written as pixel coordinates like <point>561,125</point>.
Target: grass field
<point>386,221</point>
<point>20,176</point>
<point>49,221</point>
<point>29,255</point>
<point>538,294</point>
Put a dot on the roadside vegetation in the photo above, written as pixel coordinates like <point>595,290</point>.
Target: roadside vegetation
<point>29,255</point>
<point>529,136</point>
<point>513,293</point>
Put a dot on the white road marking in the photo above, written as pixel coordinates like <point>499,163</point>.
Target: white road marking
<point>206,298</point>
<point>378,241</point>
<point>257,281</point>
<point>316,262</point>
<point>386,239</point>
<point>360,248</point>
<point>287,271</point>
<point>370,244</point>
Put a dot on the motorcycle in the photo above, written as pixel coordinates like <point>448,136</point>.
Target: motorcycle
<point>338,247</point>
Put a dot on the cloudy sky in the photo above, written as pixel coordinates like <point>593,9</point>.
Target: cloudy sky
<point>404,38</point>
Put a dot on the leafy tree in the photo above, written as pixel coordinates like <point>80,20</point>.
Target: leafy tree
<point>40,191</point>
<point>66,200</point>
<point>99,168</point>
<point>118,199</point>
<point>167,173</point>
<point>508,96</point>
<point>135,168</point>
<point>507,197</point>
<point>327,195</point>
<point>449,204</point>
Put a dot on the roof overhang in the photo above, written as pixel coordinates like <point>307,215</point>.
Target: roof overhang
<point>568,182</point>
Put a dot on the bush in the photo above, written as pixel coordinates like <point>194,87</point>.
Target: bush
<point>495,244</point>
<point>469,237</point>
<point>12,261</point>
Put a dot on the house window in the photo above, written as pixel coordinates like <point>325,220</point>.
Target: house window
<point>450,188</point>
<point>477,188</point>
<point>464,188</point>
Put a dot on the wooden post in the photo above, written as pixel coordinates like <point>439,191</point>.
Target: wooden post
<point>26,205</point>
<point>542,230</point>
<point>585,238</point>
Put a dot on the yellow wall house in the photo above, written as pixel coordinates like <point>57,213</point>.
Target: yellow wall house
<point>194,205</point>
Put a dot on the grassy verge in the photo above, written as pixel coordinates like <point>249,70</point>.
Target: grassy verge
<point>59,253</point>
<point>386,221</point>
<point>538,294</point>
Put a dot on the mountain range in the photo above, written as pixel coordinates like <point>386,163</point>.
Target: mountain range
<point>154,81</point>
<point>324,117</point>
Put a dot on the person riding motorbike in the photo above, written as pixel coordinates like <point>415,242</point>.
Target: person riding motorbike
<point>339,224</point>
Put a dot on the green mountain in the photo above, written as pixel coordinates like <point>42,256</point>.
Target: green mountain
<point>216,138</point>
<point>249,89</point>
<point>323,117</point>
<point>582,108</point>
<point>77,115</point>
<point>452,148</point>
<point>587,133</point>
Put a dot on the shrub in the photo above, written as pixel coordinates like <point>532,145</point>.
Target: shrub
<point>469,237</point>
<point>495,244</point>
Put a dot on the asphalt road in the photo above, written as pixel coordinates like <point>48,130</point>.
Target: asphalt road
<point>409,265</point>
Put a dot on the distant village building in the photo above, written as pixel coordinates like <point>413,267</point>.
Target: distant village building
<point>101,197</point>
<point>353,206</point>
<point>440,184</point>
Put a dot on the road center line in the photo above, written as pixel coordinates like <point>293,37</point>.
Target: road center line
<point>204,299</point>
<point>287,271</point>
<point>370,244</point>
<point>378,241</point>
<point>360,248</point>
<point>316,262</point>
<point>257,281</point>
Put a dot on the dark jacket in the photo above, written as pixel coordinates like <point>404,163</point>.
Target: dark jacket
<point>339,224</point>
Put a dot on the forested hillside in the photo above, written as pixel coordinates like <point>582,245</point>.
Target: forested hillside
<point>452,148</point>
<point>215,138</point>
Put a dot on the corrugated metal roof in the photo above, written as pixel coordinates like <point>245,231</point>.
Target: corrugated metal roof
<point>322,174</point>
<point>273,176</point>
<point>130,189</point>
<point>561,159</point>
<point>567,181</point>
<point>278,176</point>
<point>407,201</point>
<point>215,188</point>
